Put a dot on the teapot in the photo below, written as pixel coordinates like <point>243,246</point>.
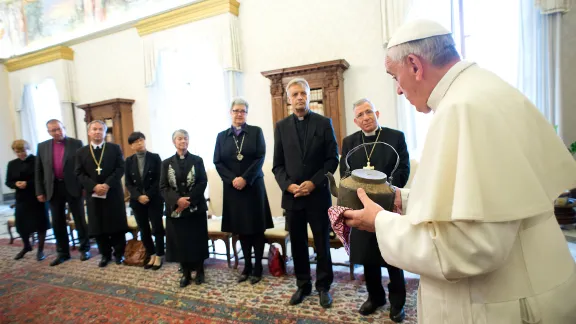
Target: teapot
<point>374,182</point>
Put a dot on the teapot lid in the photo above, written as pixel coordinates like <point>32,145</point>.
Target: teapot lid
<point>369,176</point>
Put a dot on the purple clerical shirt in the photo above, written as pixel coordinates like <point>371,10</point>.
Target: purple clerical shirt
<point>57,159</point>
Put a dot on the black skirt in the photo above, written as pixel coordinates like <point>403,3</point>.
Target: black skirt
<point>187,237</point>
<point>246,211</point>
<point>31,216</point>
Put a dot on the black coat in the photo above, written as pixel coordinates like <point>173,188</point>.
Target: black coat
<point>31,215</point>
<point>105,216</point>
<point>148,184</point>
<point>294,165</point>
<point>364,245</point>
<point>45,168</point>
<point>245,211</point>
<point>187,235</point>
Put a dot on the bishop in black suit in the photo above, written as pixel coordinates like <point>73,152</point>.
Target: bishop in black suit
<point>143,182</point>
<point>305,149</point>
<point>100,167</point>
<point>57,183</point>
<point>364,245</point>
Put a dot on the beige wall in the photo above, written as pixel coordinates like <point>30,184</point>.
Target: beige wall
<point>7,130</point>
<point>568,73</point>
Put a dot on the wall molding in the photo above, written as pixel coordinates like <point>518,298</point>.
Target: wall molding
<point>185,15</point>
<point>40,57</point>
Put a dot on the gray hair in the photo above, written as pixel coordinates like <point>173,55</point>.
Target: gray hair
<point>98,122</point>
<point>180,132</point>
<point>239,101</point>
<point>438,50</point>
<point>361,102</point>
<point>301,81</point>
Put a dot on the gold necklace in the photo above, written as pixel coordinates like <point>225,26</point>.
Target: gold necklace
<point>368,166</point>
<point>98,169</point>
<point>239,156</point>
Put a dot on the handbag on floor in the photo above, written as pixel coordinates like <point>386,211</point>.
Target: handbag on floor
<point>276,263</point>
<point>135,253</point>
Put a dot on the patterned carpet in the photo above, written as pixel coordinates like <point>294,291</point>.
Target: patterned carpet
<point>80,292</point>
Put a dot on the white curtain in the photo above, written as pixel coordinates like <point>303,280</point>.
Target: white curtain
<point>539,60</point>
<point>394,14</point>
<point>27,117</point>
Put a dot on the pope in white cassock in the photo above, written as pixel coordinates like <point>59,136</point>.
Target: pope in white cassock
<point>478,224</point>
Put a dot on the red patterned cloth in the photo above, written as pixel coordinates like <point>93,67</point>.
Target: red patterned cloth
<point>336,215</point>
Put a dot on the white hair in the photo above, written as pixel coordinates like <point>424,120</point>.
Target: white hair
<point>438,50</point>
<point>361,102</point>
<point>301,81</point>
<point>180,132</point>
<point>240,102</point>
<point>98,122</point>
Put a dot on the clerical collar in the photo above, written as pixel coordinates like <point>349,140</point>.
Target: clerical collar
<point>61,142</point>
<point>372,133</point>
<point>303,117</point>
<point>445,83</point>
<point>182,157</point>
<point>97,146</point>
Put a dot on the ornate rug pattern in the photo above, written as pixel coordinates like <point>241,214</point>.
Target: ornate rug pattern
<point>80,292</point>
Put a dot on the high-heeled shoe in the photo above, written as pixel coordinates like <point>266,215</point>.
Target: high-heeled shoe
<point>156,266</point>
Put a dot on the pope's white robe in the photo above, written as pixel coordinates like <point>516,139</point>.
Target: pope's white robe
<point>479,226</point>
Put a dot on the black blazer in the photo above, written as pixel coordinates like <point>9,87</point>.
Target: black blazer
<point>171,194</point>
<point>44,172</point>
<point>253,150</point>
<point>292,165</point>
<point>149,184</point>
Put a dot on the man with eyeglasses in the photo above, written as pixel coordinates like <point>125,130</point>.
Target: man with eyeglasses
<point>56,182</point>
<point>364,245</point>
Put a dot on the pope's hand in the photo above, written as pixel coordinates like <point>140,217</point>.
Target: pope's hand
<point>365,218</point>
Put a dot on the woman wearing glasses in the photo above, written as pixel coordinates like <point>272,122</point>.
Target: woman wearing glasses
<point>238,156</point>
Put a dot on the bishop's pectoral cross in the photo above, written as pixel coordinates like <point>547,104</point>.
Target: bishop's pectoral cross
<point>368,166</point>
<point>98,169</point>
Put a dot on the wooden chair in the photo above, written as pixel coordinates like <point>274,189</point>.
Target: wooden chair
<point>215,233</point>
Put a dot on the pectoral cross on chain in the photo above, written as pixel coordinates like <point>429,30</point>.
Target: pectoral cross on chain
<point>368,166</point>
<point>98,169</point>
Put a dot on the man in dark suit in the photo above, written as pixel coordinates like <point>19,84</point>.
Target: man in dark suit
<point>56,182</point>
<point>99,167</point>
<point>143,182</point>
<point>364,245</point>
<point>305,149</point>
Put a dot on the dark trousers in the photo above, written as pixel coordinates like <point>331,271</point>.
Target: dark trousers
<point>146,215</point>
<point>320,225</point>
<point>396,287</point>
<point>108,241</point>
<point>188,267</point>
<point>256,241</point>
<point>58,209</point>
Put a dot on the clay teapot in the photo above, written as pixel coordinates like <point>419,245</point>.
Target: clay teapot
<point>374,182</point>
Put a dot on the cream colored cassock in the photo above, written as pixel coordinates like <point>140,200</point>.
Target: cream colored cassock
<point>479,226</point>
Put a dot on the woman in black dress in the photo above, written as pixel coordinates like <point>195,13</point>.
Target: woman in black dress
<point>238,156</point>
<point>182,183</point>
<point>31,215</point>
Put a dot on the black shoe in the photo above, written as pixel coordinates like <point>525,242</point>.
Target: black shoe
<point>59,260</point>
<point>157,267</point>
<point>299,295</point>
<point>40,256</point>
<point>370,307</point>
<point>104,261</point>
<point>180,269</point>
<point>325,299</point>
<point>20,254</point>
<point>199,278</point>
<point>185,281</point>
<point>243,277</point>
<point>119,260</point>
<point>84,256</point>
<point>254,280</point>
<point>397,315</point>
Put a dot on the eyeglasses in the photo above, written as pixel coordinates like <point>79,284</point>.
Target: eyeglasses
<point>365,113</point>
<point>239,112</point>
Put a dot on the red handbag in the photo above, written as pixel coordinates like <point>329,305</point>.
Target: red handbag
<point>276,263</point>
